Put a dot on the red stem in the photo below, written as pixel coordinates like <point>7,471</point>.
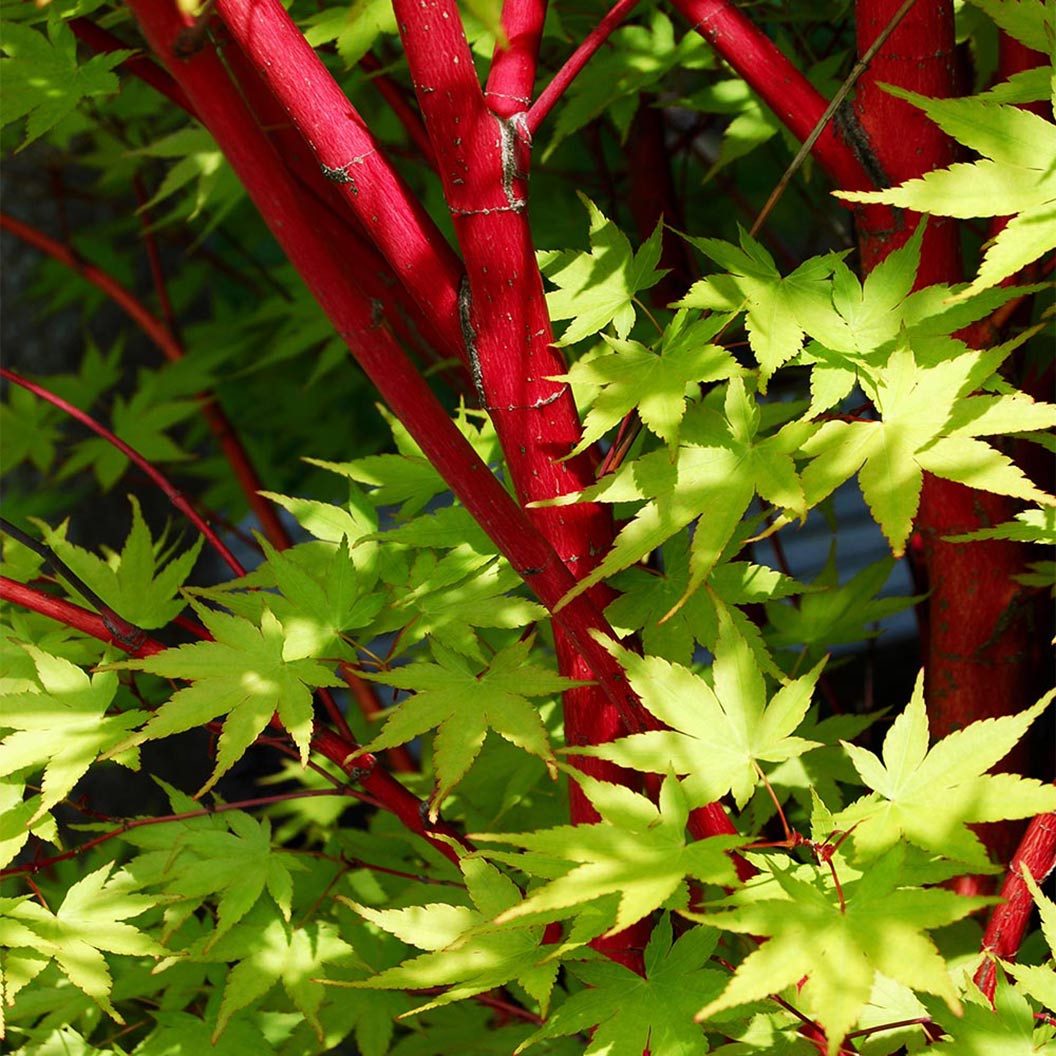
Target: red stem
<point>131,639</point>
<point>793,99</point>
<point>280,200</point>
<point>576,61</point>
<point>349,155</point>
<point>173,494</point>
<point>1008,923</point>
<point>511,79</point>
<point>398,104</point>
<point>347,755</point>
<point>155,329</point>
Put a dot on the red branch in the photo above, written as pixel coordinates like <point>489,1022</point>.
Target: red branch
<point>173,494</point>
<point>158,332</point>
<point>512,75</point>
<point>1008,923</point>
<point>576,61</point>
<point>795,101</point>
<point>280,200</point>
<point>349,156</point>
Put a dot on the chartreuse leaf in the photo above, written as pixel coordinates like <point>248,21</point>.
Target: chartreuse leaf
<point>42,77</point>
<point>774,305</point>
<point>626,1014</point>
<point>599,287</point>
<point>138,583</point>
<point>647,596</point>
<point>321,601</point>
<point>243,673</point>
<point>294,956</point>
<point>354,27</point>
<point>227,858</point>
<point>63,725</point>
<point>1031,22</point>
<point>716,736</point>
<point>655,383</point>
<point>836,615</point>
<point>723,460</point>
<point>638,852</point>
<point>929,797</point>
<point>91,920</point>
<point>1017,174</point>
<point>466,951</point>
<point>1007,1027</point>
<point>832,952</point>
<point>462,704</point>
<point>928,423</point>
<point>1030,526</point>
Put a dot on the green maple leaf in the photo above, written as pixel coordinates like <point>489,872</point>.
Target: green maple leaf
<point>141,582</point>
<point>626,1014</point>
<point>717,736</point>
<point>296,957</point>
<point>599,287</point>
<point>142,422</point>
<point>646,597</point>
<point>1007,1027</point>
<point>354,27</point>
<point>62,725</point>
<point>466,952</point>
<point>91,919</point>
<point>930,796</point>
<point>228,858</point>
<point>722,462</point>
<point>321,601</point>
<point>633,377</point>
<point>463,704</point>
<point>1031,22</point>
<point>243,673</point>
<point>839,949</point>
<point>178,1032</point>
<point>1017,174</point>
<point>929,423</point>
<point>836,615</point>
<point>638,852</point>
<point>773,304</point>
<point>42,77</point>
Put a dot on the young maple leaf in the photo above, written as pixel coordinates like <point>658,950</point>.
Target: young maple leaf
<point>716,737</point>
<point>647,596</point>
<point>226,858</point>
<point>1017,174</point>
<point>638,852</point>
<point>626,1014</point>
<point>775,305</point>
<point>929,797</point>
<point>929,422</point>
<point>466,951</point>
<point>599,287</point>
<point>91,919</point>
<point>63,726</point>
<point>43,78</point>
<point>243,673</point>
<point>136,582</point>
<point>838,949</point>
<point>296,956</point>
<point>720,465</point>
<point>463,704</point>
<point>654,383</point>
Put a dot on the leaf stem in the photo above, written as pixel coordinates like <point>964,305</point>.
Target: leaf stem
<point>169,490</point>
<point>559,83</point>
